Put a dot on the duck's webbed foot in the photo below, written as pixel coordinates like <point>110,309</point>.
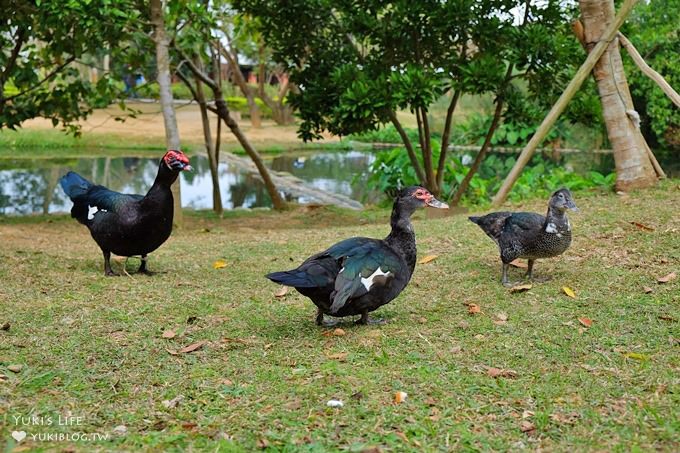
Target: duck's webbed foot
<point>323,322</point>
<point>365,320</point>
<point>143,269</point>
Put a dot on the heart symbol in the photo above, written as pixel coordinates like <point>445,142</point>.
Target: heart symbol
<point>19,435</point>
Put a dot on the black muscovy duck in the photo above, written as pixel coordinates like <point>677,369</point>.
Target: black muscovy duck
<point>529,235</point>
<point>125,224</point>
<point>358,275</point>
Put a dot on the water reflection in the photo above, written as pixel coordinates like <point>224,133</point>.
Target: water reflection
<point>31,186</point>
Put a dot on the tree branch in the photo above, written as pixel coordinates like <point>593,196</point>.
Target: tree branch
<point>408,145</point>
<point>196,70</point>
<point>9,67</point>
<point>446,137</point>
<point>54,72</point>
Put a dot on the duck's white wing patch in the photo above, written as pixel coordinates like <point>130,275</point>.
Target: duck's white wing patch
<point>368,282</point>
<point>551,228</point>
<point>92,210</point>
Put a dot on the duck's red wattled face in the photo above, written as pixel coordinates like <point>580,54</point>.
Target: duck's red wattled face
<point>177,161</point>
<point>426,197</point>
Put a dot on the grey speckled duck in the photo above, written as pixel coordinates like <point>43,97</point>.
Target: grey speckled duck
<point>529,235</point>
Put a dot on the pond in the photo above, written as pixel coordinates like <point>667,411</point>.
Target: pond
<point>29,186</point>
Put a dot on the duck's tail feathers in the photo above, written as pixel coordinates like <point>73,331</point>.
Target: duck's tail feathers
<point>295,278</point>
<point>74,185</point>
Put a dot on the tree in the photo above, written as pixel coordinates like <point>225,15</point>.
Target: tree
<point>162,41</point>
<point>359,62</point>
<point>654,29</point>
<point>633,166</point>
<point>40,44</point>
<point>196,42</point>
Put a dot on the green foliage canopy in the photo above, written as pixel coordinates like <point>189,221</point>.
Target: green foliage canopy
<point>357,62</point>
<point>40,41</point>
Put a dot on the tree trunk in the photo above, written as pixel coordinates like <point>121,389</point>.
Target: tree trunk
<point>172,141</point>
<point>633,166</point>
<point>210,149</point>
<point>223,112</point>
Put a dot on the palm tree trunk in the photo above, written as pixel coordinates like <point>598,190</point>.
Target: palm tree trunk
<point>633,166</point>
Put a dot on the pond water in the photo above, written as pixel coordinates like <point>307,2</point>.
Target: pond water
<point>30,186</point>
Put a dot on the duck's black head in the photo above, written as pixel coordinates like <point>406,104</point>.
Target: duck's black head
<point>562,200</point>
<point>414,197</point>
<point>176,161</point>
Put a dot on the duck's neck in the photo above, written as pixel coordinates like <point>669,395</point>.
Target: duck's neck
<point>556,221</point>
<point>402,238</point>
<point>161,186</point>
<point>164,179</point>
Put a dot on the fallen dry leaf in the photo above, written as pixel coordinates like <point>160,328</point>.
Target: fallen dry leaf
<point>526,426</point>
<point>340,356</point>
<point>281,291</point>
<point>519,264</point>
<point>400,397</point>
<point>169,334</point>
<point>501,319</point>
<point>371,450</point>
<point>647,289</point>
<point>667,278</point>
<point>172,352</point>
<point>339,332</point>
<point>585,322</point>
<point>521,288</point>
<point>667,318</point>
<point>402,436</point>
<point>173,403</point>
<point>193,347</point>
<point>642,226</point>
<point>5,326</point>
<point>474,309</point>
<point>219,264</point>
<point>569,292</point>
<point>498,372</point>
<point>15,368</point>
<point>565,419</point>
<point>262,443</point>
<point>427,259</point>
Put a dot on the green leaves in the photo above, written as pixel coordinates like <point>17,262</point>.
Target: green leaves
<point>44,40</point>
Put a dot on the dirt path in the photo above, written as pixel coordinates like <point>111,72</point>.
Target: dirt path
<point>148,126</point>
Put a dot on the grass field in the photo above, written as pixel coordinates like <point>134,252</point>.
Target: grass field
<point>82,345</point>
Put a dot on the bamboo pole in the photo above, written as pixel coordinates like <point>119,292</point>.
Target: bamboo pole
<point>648,71</point>
<point>557,109</point>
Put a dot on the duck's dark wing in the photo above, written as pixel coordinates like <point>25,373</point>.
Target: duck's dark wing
<point>492,224</point>
<point>521,223</point>
<point>365,266</point>
<point>89,199</point>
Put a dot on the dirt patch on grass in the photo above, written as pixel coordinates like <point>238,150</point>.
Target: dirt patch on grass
<point>148,126</point>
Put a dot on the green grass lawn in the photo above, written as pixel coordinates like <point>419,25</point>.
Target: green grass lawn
<point>93,347</point>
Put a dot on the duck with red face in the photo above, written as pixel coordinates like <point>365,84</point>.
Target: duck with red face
<point>359,275</point>
<point>126,224</point>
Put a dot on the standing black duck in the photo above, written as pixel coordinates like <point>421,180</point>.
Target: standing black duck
<point>359,275</point>
<point>529,235</point>
<point>125,224</point>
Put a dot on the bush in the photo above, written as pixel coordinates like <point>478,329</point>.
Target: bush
<point>392,169</point>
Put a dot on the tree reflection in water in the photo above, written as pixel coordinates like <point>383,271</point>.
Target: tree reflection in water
<point>32,186</point>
